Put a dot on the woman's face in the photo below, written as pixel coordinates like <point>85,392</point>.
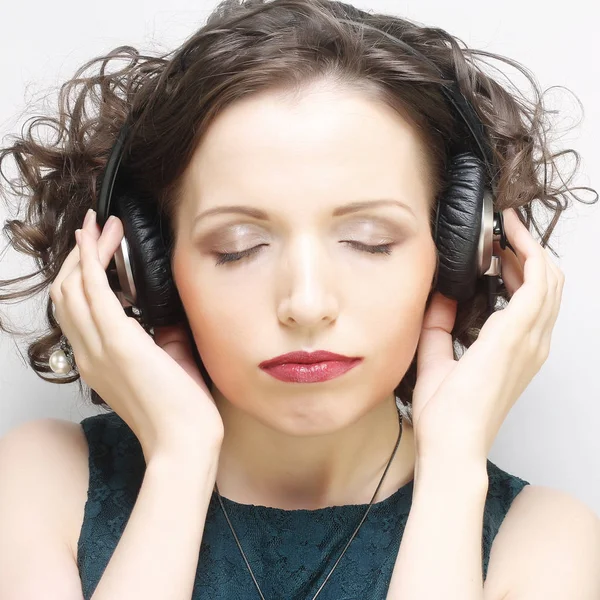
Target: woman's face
<point>306,287</point>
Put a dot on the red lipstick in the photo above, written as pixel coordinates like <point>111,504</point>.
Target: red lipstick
<point>309,367</point>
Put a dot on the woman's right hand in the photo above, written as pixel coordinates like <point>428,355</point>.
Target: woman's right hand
<point>152,384</point>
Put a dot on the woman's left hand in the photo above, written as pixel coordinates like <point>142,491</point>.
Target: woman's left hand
<point>460,405</point>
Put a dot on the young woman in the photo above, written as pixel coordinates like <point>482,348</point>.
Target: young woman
<point>316,187</point>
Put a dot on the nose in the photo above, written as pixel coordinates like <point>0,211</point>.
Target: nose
<point>309,288</point>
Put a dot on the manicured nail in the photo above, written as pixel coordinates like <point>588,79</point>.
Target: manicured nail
<point>86,219</point>
<point>111,221</point>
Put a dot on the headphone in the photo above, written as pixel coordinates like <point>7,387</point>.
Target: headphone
<point>466,224</point>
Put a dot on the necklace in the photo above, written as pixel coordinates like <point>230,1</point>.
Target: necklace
<point>353,535</point>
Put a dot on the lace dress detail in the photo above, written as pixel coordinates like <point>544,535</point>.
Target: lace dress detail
<point>290,551</point>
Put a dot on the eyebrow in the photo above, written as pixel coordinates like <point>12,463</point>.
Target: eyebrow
<point>338,212</point>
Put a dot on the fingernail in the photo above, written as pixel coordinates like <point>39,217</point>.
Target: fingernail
<point>111,223</point>
<point>88,214</point>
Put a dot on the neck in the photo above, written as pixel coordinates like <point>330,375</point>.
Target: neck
<point>267,467</point>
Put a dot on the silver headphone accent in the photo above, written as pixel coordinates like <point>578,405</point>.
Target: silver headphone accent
<point>488,262</point>
<point>125,274</point>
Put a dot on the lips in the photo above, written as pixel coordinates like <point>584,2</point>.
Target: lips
<point>309,367</point>
<point>304,358</point>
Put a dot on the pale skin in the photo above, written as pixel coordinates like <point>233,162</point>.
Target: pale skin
<point>297,161</point>
<point>307,288</point>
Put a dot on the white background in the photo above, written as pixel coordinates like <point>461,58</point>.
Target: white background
<point>550,437</point>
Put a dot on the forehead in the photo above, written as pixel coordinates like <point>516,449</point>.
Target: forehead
<point>325,147</point>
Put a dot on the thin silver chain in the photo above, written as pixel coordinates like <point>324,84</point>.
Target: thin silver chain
<point>348,544</point>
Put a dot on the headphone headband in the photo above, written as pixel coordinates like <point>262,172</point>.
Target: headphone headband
<point>451,91</point>
<point>111,171</point>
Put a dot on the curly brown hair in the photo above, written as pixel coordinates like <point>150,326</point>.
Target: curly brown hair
<point>246,47</point>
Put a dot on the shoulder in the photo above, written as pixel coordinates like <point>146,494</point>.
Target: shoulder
<point>548,546</point>
<point>45,464</point>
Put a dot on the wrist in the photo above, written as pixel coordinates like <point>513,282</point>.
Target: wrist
<point>452,471</point>
<point>187,455</point>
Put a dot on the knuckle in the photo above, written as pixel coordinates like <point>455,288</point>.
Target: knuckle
<point>64,287</point>
<point>543,353</point>
<point>55,288</point>
<point>53,293</point>
<point>69,286</point>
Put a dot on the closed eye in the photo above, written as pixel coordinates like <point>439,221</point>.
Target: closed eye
<point>229,257</point>
<point>380,249</point>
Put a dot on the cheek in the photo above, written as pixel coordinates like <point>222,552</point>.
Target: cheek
<point>396,329</point>
<point>220,321</point>
<point>395,325</point>
<point>402,294</point>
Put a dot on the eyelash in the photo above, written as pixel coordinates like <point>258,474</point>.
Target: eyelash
<point>228,257</point>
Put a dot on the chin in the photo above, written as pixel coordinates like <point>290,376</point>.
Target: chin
<point>301,421</point>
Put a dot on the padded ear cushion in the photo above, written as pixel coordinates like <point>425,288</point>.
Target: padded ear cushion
<point>157,295</point>
<point>458,227</point>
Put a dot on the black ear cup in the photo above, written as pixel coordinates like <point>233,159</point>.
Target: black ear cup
<point>458,227</point>
<point>146,240</point>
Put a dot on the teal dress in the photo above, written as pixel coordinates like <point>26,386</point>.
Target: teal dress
<point>287,549</point>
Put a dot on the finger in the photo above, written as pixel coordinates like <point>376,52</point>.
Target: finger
<point>79,325</point>
<point>512,221</point>
<point>558,276</point>
<point>105,308</point>
<point>529,299</point>
<point>110,240</point>
<point>435,342</point>
<point>71,305</point>
<point>167,334</point>
<point>92,226</point>
<point>71,263</point>
<point>174,339</point>
<point>555,284</point>
<point>103,238</point>
<point>543,314</point>
<point>547,336</point>
<point>105,251</point>
<point>75,316</point>
<point>66,268</point>
<point>511,269</point>
<point>555,274</point>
